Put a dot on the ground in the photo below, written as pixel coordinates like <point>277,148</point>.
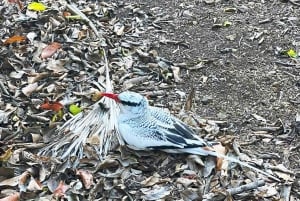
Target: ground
<point>239,58</point>
<point>238,70</point>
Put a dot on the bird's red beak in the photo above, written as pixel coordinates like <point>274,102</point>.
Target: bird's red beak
<point>112,96</point>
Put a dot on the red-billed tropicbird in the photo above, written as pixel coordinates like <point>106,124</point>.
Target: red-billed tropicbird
<point>145,127</point>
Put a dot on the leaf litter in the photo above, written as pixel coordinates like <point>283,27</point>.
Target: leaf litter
<point>80,155</point>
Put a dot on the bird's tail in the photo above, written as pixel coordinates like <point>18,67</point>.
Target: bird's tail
<point>231,159</point>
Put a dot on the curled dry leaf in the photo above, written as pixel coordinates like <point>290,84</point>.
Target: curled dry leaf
<point>3,117</point>
<point>155,193</point>
<point>220,150</point>
<point>14,39</point>
<point>23,180</point>
<point>57,66</point>
<point>61,189</point>
<point>150,181</point>
<point>13,197</point>
<point>86,177</point>
<point>185,181</point>
<point>50,50</point>
<point>12,182</point>
<point>6,155</point>
<point>119,29</point>
<point>176,72</point>
<point>17,74</point>
<point>34,185</point>
<point>35,77</point>
<point>29,89</point>
<point>18,2</point>
<point>51,105</point>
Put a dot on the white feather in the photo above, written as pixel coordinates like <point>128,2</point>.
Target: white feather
<point>145,127</point>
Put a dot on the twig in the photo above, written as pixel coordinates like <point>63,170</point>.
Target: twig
<point>285,64</point>
<point>75,10</point>
<point>233,191</point>
<point>268,129</point>
<point>294,3</point>
<point>246,187</point>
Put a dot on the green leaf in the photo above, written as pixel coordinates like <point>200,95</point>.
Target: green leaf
<point>292,53</point>
<point>74,109</point>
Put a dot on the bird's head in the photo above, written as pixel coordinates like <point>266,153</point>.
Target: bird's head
<point>130,102</point>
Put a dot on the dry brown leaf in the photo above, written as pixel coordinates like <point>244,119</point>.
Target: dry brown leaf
<point>14,39</point>
<point>155,193</point>
<point>220,150</point>
<point>6,155</point>
<point>150,181</point>
<point>189,101</point>
<point>50,50</point>
<point>61,189</point>
<point>86,178</point>
<point>13,197</point>
<point>29,89</point>
<point>10,182</point>
<point>185,181</point>
<point>57,66</point>
<point>23,180</point>
<point>34,185</point>
<point>51,105</point>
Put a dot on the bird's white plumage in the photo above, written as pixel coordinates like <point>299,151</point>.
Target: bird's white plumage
<point>142,126</point>
<point>145,127</point>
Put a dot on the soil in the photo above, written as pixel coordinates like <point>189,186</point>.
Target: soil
<point>242,70</point>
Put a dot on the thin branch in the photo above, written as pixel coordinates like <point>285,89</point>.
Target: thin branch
<point>75,10</point>
<point>221,195</point>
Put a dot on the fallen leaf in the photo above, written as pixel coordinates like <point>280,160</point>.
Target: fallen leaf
<point>14,39</point>
<point>29,89</point>
<point>292,53</point>
<point>74,109</point>
<point>152,180</point>
<point>50,50</point>
<point>156,193</point>
<point>23,181</point>
<point>13,197</point>
<point>57,66</point>
<point>36,6</point>
<point>86,178</point>
<point>51,105</point>
<point>220,150</point>
<point>58,116</point>
<point>17,2</point>
<point>61,189</point>
<point>6,155</point>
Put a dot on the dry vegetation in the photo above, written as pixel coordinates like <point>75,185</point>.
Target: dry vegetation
<point>228,68</point>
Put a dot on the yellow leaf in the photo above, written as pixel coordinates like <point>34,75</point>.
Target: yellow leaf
<point>36,6</point>
<point>292,53</point>
<point>74,109</point>
<point>6,155</point>
<point>57,116</point>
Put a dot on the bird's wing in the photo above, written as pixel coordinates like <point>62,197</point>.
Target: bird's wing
<point>174,130</point>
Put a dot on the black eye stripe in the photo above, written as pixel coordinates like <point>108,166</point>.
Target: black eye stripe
<point>130,103</point>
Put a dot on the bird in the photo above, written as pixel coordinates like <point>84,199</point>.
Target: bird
<point>145,127</point>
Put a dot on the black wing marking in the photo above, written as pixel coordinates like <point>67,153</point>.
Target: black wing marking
<point>184,130</point>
